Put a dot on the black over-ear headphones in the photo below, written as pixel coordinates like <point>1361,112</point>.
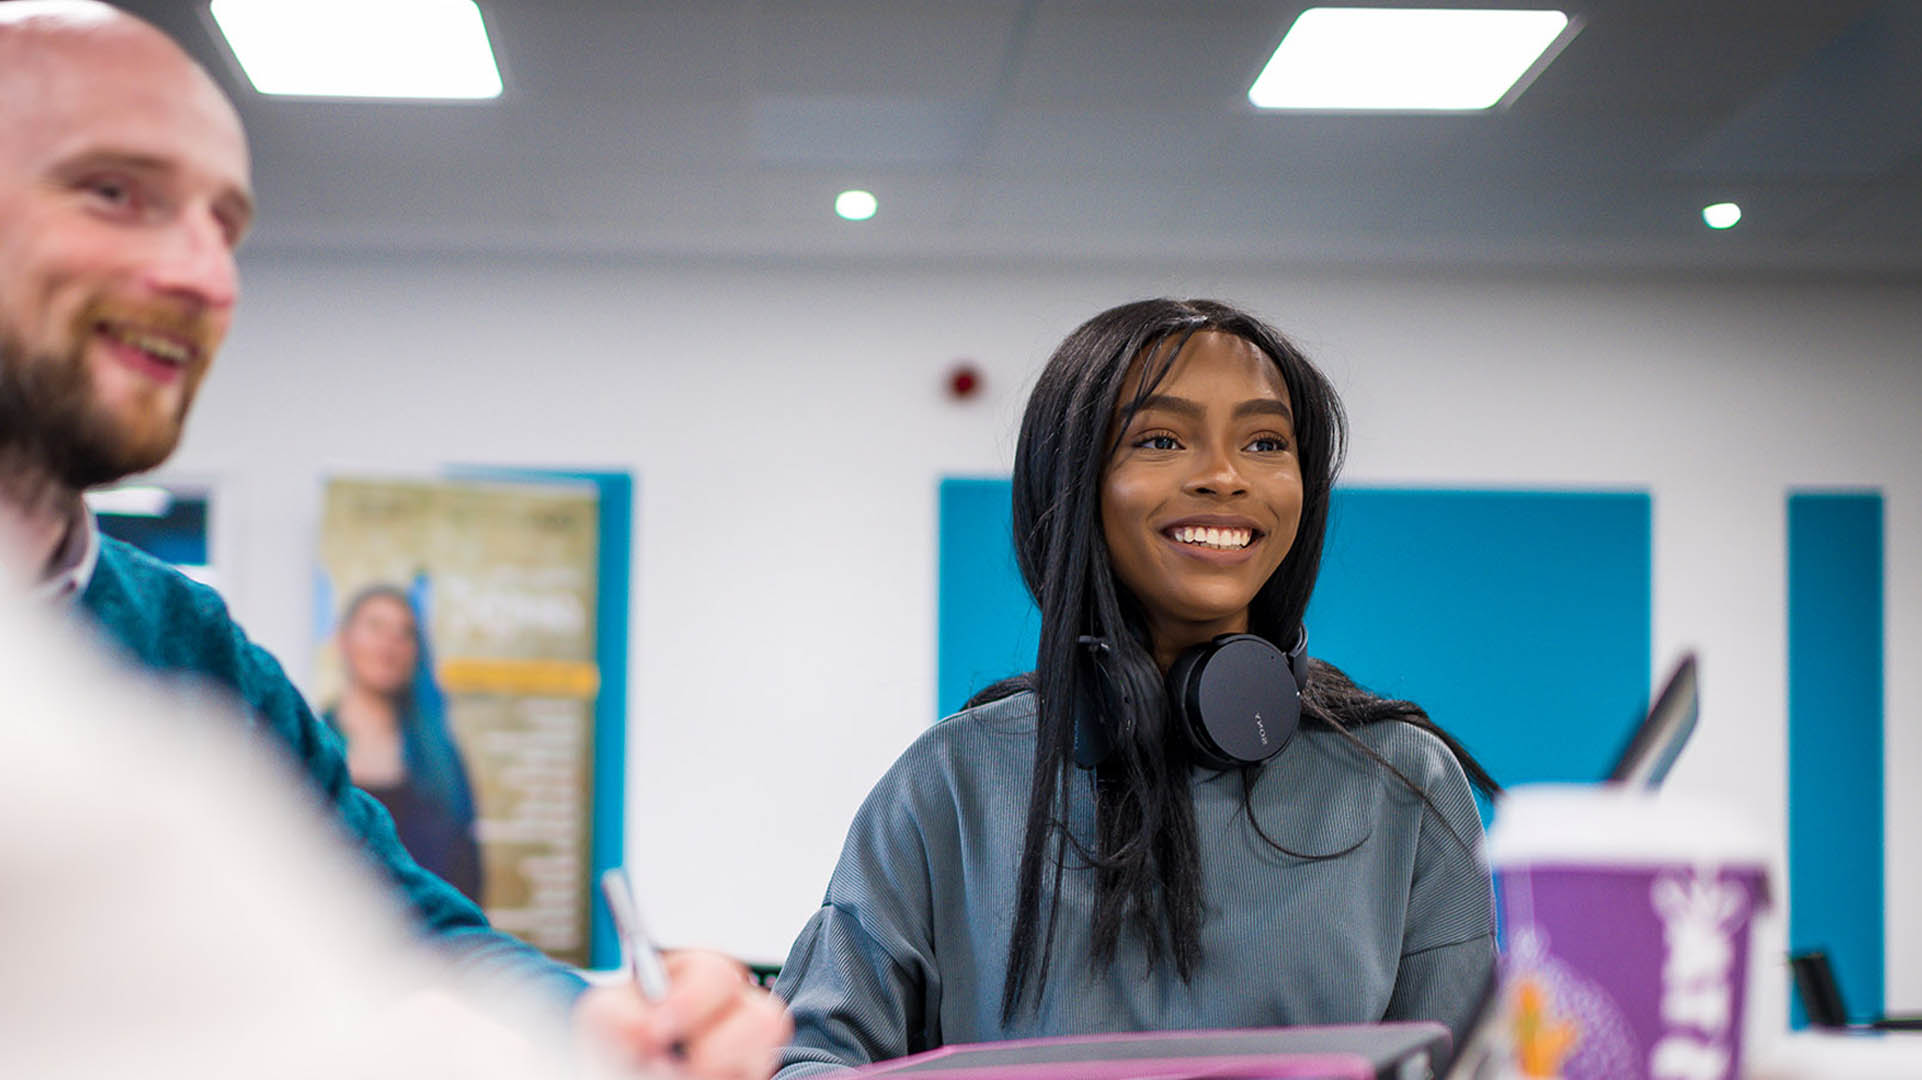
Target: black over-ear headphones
<point>1235,700</point>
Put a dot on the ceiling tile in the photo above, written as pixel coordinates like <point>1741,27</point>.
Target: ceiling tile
<point>1853,108</point>
<point>904,49</point>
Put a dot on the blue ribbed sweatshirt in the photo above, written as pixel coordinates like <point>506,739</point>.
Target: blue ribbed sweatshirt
<point>909,949</point>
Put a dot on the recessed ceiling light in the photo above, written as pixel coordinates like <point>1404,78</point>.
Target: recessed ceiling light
<point>1721,215</point>
<point>1404,59</point>
<point>856,205</point>
<point>408,49</point>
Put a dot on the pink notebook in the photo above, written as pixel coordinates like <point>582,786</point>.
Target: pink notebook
<point>1338,1052</point>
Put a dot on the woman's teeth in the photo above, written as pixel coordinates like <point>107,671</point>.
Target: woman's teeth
<point>1224,539</point>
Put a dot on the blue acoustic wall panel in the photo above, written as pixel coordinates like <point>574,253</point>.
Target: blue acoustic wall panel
<point>1519,619</point>
<point>988,626</point>
<point>1835,781</point>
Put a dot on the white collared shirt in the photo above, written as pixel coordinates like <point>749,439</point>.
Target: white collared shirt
<point>73,564</point>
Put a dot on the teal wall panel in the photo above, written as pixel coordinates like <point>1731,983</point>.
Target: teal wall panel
<point>988,628</point>
<point>1835,739</point>
<point>1519,619</point>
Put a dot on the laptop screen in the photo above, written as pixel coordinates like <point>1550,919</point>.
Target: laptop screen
<point>1658,740</point>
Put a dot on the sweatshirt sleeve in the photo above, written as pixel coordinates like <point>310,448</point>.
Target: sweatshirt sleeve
<point>861,981</point>
<point>1448,942</point>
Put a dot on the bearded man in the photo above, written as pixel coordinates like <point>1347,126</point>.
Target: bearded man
<point>124,193</point>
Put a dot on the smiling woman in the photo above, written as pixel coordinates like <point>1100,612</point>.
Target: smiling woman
<point>1171,492</point>
<point>1203,492</point>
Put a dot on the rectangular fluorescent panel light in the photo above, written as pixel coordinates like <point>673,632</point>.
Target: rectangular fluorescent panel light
<point>1402,59</point>
<point>407,49</point>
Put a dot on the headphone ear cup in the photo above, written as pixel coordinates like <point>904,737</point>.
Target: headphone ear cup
<point>1092,743</point>
<point>1093,714</point>
<point>1181,677</point>
<point>1235,699</point>
<point>1190,714</point>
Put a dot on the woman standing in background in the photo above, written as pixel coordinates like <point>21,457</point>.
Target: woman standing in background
<point>399,749</point>
<point>1171,486</point>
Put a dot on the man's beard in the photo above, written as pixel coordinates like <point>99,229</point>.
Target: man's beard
<point>50,421</point>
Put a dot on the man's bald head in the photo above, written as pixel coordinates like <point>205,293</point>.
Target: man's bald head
<point>124,189</point>
<point>79,14</point>
<point>30,28</point>
<point>46,42</point>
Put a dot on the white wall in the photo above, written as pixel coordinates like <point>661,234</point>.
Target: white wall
<point>787,426</point>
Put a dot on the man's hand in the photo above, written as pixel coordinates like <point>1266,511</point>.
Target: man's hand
<point>724,1026</point>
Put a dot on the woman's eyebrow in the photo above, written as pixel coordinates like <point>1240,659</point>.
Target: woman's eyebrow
<point>1192,410</point>
<point>1265,407</point>
<point>1170,403</point>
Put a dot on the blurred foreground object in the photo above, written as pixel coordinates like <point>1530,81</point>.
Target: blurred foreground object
<point>173,911</point>
<point>1628,916</point>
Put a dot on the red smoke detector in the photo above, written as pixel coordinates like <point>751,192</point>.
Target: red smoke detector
<point>964,380</point>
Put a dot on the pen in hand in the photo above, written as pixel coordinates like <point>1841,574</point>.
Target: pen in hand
<point>643,959</point>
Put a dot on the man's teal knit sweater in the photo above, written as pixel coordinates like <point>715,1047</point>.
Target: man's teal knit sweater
<point>172,624</point>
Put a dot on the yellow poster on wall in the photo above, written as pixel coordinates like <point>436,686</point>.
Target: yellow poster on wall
<point>457,660</point>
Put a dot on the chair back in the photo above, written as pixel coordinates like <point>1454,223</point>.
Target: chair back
<point>1815,985</point>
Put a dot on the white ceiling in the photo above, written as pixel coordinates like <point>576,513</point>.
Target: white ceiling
<point>1112,129</point>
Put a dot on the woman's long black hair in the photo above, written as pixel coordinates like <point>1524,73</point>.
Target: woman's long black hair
<point>1145,853</point>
